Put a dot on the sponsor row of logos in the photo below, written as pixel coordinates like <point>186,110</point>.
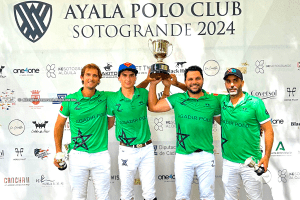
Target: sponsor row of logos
<point>26,181</point>
<point>210,68</point>
<point>17,127</point>
<point>20,151</point>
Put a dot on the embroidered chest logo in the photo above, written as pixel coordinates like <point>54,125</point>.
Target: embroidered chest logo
<point>141,103</point>
<point>80,140</point>
<point>76,108</point>
<point>118,107</point>
<point>181,137</point>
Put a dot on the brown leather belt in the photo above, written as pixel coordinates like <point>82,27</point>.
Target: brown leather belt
<point>198,150</point>
<point>137,145</point>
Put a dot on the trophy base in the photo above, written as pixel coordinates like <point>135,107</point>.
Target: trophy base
<point>63,167</point>
<point>159,70</point>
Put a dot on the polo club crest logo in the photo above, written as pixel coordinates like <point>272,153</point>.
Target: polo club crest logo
<point>33,18</point>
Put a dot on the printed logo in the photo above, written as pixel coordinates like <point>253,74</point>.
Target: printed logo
<point>40,127</point>
<point>281,151</point>
<point>167,178</point>
<point>16,127</point>
<point>50,71</point>
<point>19,151</point>
<point>33,19</point>
<point>107,73</point>
<point>124,162</point>
<point>26,72</point>
<point>181,137</point>
<point>68,70</point>
<point>114,178</point>
<point>158,124</point>
<point>35,95</point>
<point>211,67</point>
<point>291,94</point>
<point>280,146</point>
<point>127,141</point>
<point>179,64</point>
<point>59,96</point>
<point>48,183</point>
<point>154,147</point>
<point>108,67</point>
<point>80,140</point>
<point>265,94</point>
<point>277,121</point>
<point>7,99</point>
<point>259,67</point>
<point>282,176</point>
<point>16,181</point>
<point>298,65</point>
<point>295,124</point>
<point>19,154</point>
<point>1,71</point>
<point>137,181</point>
<point>40,153</point>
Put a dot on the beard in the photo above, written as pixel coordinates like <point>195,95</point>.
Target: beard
<point>234,91</point>
<point>197,91</point>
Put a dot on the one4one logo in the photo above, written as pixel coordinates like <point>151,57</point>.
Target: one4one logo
<point>33,18</point>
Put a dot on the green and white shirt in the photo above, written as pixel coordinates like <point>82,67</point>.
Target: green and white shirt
<point>88,121</point>
<point>194,121</point>
<point>241,127</point>
<point>131,116</point>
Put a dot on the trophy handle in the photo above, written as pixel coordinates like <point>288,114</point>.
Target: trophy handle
<point>149,46</point>
<point>172,49</point>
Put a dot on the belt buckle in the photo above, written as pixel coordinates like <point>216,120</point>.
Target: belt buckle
<point>139,145</point>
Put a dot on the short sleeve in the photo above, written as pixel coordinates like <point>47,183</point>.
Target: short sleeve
<point>172,100</point>
<point>262,114</point>
<point>110,107</point>
<point>217,111</point>
<point>64,110</point>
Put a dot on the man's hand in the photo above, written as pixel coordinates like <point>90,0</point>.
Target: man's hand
<point>265,162</point>
<point>56,163</point>
<point>167,82</point>
<point>149,79</point>
<point>155,82</point>
<point>173,79</point>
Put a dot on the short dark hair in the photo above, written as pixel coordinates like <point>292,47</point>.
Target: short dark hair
<point>192,68</point>
<point>91,66</point>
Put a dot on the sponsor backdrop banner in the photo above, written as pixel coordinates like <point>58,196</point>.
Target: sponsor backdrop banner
<point>44,44</point>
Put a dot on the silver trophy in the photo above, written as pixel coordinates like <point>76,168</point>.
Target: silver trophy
<point>61,157</point>
<point>160,51</point>
<point>251,163</point>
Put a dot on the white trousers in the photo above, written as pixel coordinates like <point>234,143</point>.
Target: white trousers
<point>185,166</point>
<point>234,174</point>
<point>82,166</point>
<point>130,159</point>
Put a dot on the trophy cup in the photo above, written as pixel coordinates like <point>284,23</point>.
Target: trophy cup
<point>160,51</point>
<point>62,157</point>
<point>251,163</point>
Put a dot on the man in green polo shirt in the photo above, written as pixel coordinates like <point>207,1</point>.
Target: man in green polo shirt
<point>242,117</point>
<point>88,156</point>
<point>129,107</point>
<point>195,111</point>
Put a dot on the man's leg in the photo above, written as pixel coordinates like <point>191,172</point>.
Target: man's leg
<point>100,173</point>
<point>231,179</point>
<point>205,169</point>
<point>128,161</point>
<point>79,174</point>
<point>147,172</point>
<point>252,183</point>
<point>184,172</point>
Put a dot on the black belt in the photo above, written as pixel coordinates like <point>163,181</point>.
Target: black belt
<point>198,151</point>
<point>137,145</point>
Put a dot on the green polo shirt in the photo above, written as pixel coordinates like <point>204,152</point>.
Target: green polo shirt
<point>88,121</point>
<point>131,116</point>
<point>194,121</point>
<point>241,127</point>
